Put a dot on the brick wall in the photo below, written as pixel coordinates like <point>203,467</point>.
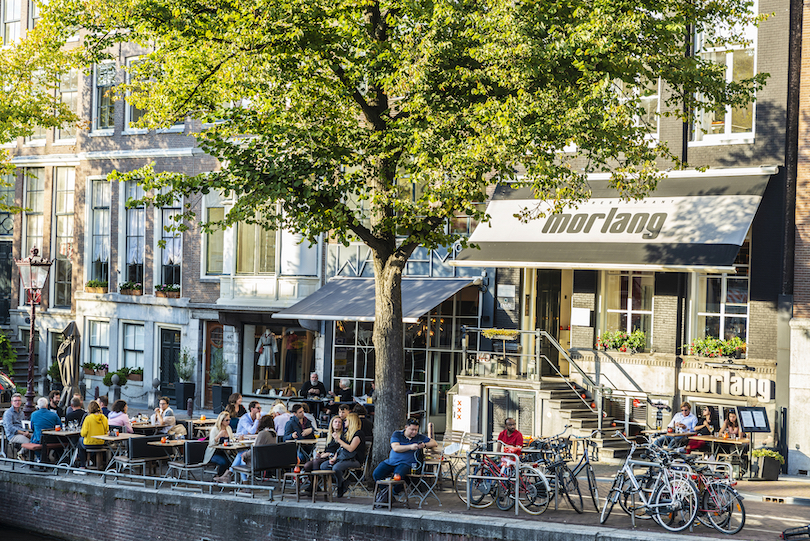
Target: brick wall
<point>762,330</point>
<point>87,511</point>
<point>801,267</point>
<point>583,337</point>
<point>665,324</point>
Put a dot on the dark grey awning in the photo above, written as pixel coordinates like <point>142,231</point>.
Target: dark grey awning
<point>352,299</point>
<point>692,221</point>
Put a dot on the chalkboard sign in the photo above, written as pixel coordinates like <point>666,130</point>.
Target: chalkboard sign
<point>753,419</point>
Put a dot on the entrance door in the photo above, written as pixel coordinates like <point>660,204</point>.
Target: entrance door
<point>548,315</point>
<point>213,351</point>
<point>505,403</point>
<point>5,282</point>
<point>442,377</point>
<point>169,354</point>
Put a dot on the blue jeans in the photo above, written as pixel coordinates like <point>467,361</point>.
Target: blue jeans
<point>384,470</point>
<point>221,461</point>
<point>669,441</point>
<point>238,461</point>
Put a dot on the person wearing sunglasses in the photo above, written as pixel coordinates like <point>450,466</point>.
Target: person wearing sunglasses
<point>684,421</point>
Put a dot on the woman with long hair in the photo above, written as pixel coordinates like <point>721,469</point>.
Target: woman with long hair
<point>219,432</point>
<point>352,452</point>
<point>95,424</point>
<point>118,416</point>
<point>709,425</point>
<point>332,446</point>
<point>731,426</point>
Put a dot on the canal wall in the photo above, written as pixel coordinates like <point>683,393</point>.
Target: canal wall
<point>84,509</point>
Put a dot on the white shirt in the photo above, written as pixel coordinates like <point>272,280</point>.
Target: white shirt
<point>689,420</point>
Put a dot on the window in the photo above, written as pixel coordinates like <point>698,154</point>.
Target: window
<point>99,342</point>
<point>646,97</point>
<point>723,301</point>
<point>25,338</point>
<point>35,203</point>
<point>63,216</point>
<point>255,250</point>
<point>11,16</point>
<point>56,340</point>
<point>133,114</point>
<point>104,118</point>
<point>69,95</point>
<point>727,123</point>
<point>628,302</point>
<point>7,198</point>
<point>172,253</point>
<point>215,244</point>
<point>35,11</point>
<point>100,247</point>
<point>133,345</point>
<point>136,227</point>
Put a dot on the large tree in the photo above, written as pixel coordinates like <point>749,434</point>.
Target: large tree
<point>327,113</point>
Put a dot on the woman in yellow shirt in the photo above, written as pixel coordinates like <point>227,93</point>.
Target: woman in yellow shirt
<point>95,424</point>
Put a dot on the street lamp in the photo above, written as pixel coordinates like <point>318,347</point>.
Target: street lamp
<point>34,272</point>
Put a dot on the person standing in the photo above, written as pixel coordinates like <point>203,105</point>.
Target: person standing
<point>405,446</point>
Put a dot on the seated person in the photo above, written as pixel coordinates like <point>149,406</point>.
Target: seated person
<point>75,412</point>
<point>12,422</point>
<point>103,401</point>
<point>54,397</point>
<point>299,428</point>
<point>509,440</point>
<point>95,424</point>
<point>249,423</point>
<point>118,416</point>
<point>43,419</point>
<point>219,432</point>
<point>406,444</point>
<point>368,424</point>
<point>234,422</point>
<point>163,416</point>
<point>708,425</point>
<point>350,455</point>
<point>282,417</point>
<point>313,388</point>
<point>332,446</point>
<point>731,426</point>
<point>683,421</point>
<point>265,434</point>
<point>236,400</point>
<point>344,392</point>
<point>309,416</point>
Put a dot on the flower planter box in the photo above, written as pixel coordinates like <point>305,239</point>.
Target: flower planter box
<point>136,292</point>
<point>769,468</point>
<point>89,371</point>
<point>101,373</point>
<point>95,289</point>
<point>135,377</point>
<point>168,294</point>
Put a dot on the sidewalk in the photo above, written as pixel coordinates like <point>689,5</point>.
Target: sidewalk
<point>789,489</point>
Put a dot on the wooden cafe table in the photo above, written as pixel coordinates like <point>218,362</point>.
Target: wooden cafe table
<point>174,448</point>
<point>69,439</point>
<point>117,444</point>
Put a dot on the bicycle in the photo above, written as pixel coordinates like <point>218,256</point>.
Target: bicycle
<point>479,485</point>
<point>672,500</point>
<point>721,505</point>
<point>585,464</point>
<point>561,479</point>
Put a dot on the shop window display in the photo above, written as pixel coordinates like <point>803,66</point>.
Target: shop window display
<point>277,356</point>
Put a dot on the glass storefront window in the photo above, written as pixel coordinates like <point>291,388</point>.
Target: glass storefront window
<point>629,299</point>
<point>722,307</point>
<point>275,356</point>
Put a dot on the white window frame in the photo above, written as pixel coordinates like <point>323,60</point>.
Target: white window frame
<point>57,136</point>
<point>124,350</point>
<point>128,129</point>
<point>96,130</point>
<point>727,137</point>
<point>91,346</point>
<point>40,212</point>
<point>124,238</point>
<point>6,41</point>
<point>627,310</point>
<point>651,136</point>
<point>70,212</point>
<point>91,221</point>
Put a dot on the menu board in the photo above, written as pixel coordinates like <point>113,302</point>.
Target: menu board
<point>754,419</point>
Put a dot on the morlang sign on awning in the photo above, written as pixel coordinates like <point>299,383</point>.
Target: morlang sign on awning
<point>692,221</point>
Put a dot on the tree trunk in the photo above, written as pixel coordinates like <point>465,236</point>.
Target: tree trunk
<point>389,368</point>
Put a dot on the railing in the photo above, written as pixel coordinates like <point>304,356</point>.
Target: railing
<point>520,365</point>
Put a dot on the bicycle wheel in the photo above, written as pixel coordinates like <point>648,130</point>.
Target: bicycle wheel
<point>613,496</point>
<point>675,505</point>
<point>479,488</point>
<point>504,495</point>
<point>631,503</point>
<point>592,486</point>
<point>534,494</point>
<point>724,508</point>
<point>571,487</point>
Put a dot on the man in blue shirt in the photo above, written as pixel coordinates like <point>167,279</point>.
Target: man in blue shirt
<point>43,419</point>
<point>406,444</point>
<point>249,423</point>
<point>299,428</point>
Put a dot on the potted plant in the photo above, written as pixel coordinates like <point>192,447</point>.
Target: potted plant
<point>136,374</point>
<point>501,334</point>
<point>185,371</point>
<point>219,392</point>
<point>95,286</point>
<point>56,376</point>
<point>123,375</point>
<point>770,463</point>
<point>621,341</point>
<point>710,346</point>
<point>131,288</point>
<point>101,369</point>
<point>89,368</point>
<point>170,291</point>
